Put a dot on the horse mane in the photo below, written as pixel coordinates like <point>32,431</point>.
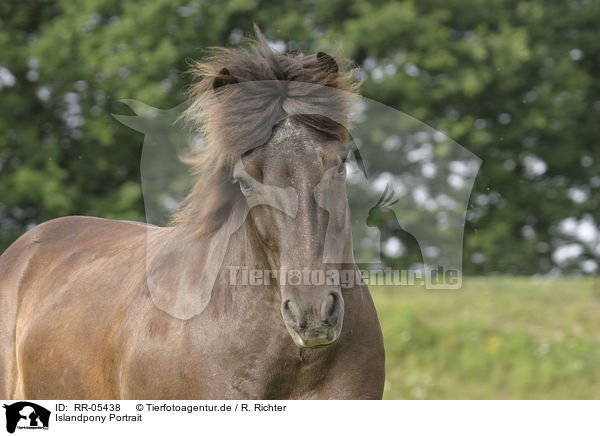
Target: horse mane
<point>236,119</point>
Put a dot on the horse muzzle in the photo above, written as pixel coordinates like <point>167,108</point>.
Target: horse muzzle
<point>314,324</point>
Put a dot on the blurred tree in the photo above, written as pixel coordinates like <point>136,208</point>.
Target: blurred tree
<point>512,81</point>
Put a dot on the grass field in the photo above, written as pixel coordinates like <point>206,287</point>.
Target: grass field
<point>496,338</point>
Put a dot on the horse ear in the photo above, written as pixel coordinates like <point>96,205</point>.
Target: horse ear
<point>224,78</point>
<point>327,63</point>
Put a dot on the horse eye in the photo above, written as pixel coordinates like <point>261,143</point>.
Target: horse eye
<point>244,186</point>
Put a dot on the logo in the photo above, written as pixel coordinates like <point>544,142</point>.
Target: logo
<point>26,415</point>
<point>403,186</point>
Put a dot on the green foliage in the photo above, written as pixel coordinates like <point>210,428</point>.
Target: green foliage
<point>512,81</point>
<point>494,339</point>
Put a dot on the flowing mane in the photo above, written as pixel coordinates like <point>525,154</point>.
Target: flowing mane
<point>236,119</point>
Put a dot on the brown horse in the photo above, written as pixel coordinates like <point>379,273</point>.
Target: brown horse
<point>101,309</point>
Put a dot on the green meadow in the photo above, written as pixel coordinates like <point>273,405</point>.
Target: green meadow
<point>496,338</point>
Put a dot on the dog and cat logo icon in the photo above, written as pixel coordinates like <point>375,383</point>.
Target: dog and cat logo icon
<point>26,415</point>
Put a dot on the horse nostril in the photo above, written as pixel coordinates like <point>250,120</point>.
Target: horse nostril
<point>330,309</point>
<point>291,312</point>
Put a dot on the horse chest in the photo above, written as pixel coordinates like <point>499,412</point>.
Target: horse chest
<point>172,359</point>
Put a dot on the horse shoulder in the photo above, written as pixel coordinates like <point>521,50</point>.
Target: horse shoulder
<point>77,265</point>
